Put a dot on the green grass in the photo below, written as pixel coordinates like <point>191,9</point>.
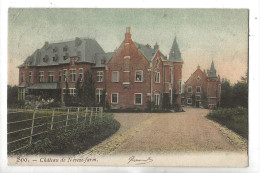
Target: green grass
<point>236,119</point>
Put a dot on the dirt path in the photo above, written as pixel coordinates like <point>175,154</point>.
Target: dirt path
<point>165,133</point>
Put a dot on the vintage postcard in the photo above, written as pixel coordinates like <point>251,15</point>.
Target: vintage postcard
<point>128,87</point>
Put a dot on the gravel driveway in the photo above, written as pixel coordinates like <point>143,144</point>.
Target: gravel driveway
<point>164,133</point>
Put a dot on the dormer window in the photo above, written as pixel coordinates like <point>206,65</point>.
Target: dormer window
<point>55,58</point>
<point>46,58</point>
<point>65,48</point>
<point>55,49</point>
<point>103,61</point>
<point>66,56</point>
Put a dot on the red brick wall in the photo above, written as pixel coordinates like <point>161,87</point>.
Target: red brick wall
<point>127,60</point>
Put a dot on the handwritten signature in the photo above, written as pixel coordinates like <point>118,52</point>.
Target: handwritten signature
<point>139,161</point>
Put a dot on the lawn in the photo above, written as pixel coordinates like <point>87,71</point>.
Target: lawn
<point>236,119</point>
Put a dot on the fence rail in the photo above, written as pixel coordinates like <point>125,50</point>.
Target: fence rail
<point>43,121</point>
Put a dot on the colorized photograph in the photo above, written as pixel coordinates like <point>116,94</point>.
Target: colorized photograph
<point>128,87</point>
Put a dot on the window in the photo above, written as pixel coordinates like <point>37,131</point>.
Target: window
<point>189,101</point>
<point>72,92</point>
<point>100,76</point>
<point>55,58</point>
<point>65,48</point>
<point>138,98</point>
<point>80,74</point>
<point>65,75</point>
<point>60,75</point>
<point>198,88</point>
<point>23,77</point>
<point>31,76</point>
<point>157,99</point>
<point>189,89</point>
<point>41,76</point>
<point>51,77</point>
<point>170,92</point>
<point>73,75</point>
<point>114,98</point>
<point>198,78</point>
<point>157,77</point>
<point>171,71</point>
<point>139,76</point>
<point>21,95</point>
<point>45,59</point>
<point>98,94</point>
<point>115,76</point>
<point>179,85</point>
<point>197,98</point>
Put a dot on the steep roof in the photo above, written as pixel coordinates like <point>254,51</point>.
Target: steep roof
<point>59,53</point>
<point>102,59</point>
<point>175,53</point>
<point>212,71</point>
<point>148,51</point>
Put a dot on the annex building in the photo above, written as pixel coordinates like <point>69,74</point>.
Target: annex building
<point>203,85</point>
<point>133,74</point>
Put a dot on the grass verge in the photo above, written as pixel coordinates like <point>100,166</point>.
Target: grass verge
<point>236,119</point>
<point>75,141</point>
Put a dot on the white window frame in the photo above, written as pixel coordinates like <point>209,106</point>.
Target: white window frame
<point>157,77</point>
<point>81,74</point>
<point>41,76</point>
<point>113,80</point>
<point>99,92</point>
<point>65,75</point>
<point>142,76</point>
<point>141,99</point>
<point>30,76</point>
<point>190,88</point>
<point>197,88</point>
<point>189,99</point>
<point>116,97</point>
<point>171,74</point>
<point>100,76</point>
<point>73,75</point>
<point>72,92</point>
<point>157,99</point>
<point>51,76</point>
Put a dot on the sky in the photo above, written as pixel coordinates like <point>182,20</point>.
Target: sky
<point>203,35</point>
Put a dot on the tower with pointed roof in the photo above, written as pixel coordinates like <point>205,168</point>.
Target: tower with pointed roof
<point>176,59</point>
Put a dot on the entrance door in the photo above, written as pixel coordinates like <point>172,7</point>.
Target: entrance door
<point>197,104</point>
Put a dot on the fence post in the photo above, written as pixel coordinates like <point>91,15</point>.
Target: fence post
<point>91,113</point>
<point>86,114</point>
<point>68,112</point>
<point>78,115</point>
<point>52,118</point>
<point>34,112</point>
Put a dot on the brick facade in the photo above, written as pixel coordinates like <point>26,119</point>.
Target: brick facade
<point>133,75</point>
<point>201,86</point>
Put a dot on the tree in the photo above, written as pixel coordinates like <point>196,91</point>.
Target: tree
<point>78,92</point>
<point>226,94</point>
<point>89,90</point>
<point>166,101</point>
<point>240,94</point>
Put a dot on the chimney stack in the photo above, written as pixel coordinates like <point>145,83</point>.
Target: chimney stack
<point>128,34</point>
<point>47,44</point>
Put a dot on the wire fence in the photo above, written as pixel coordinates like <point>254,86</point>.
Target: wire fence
<point>26,127</point>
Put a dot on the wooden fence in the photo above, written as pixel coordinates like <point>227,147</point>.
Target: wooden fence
<point>26,127</point>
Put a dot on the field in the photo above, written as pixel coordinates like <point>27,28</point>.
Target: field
<point>30,131</point>
<point>235,119</point>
